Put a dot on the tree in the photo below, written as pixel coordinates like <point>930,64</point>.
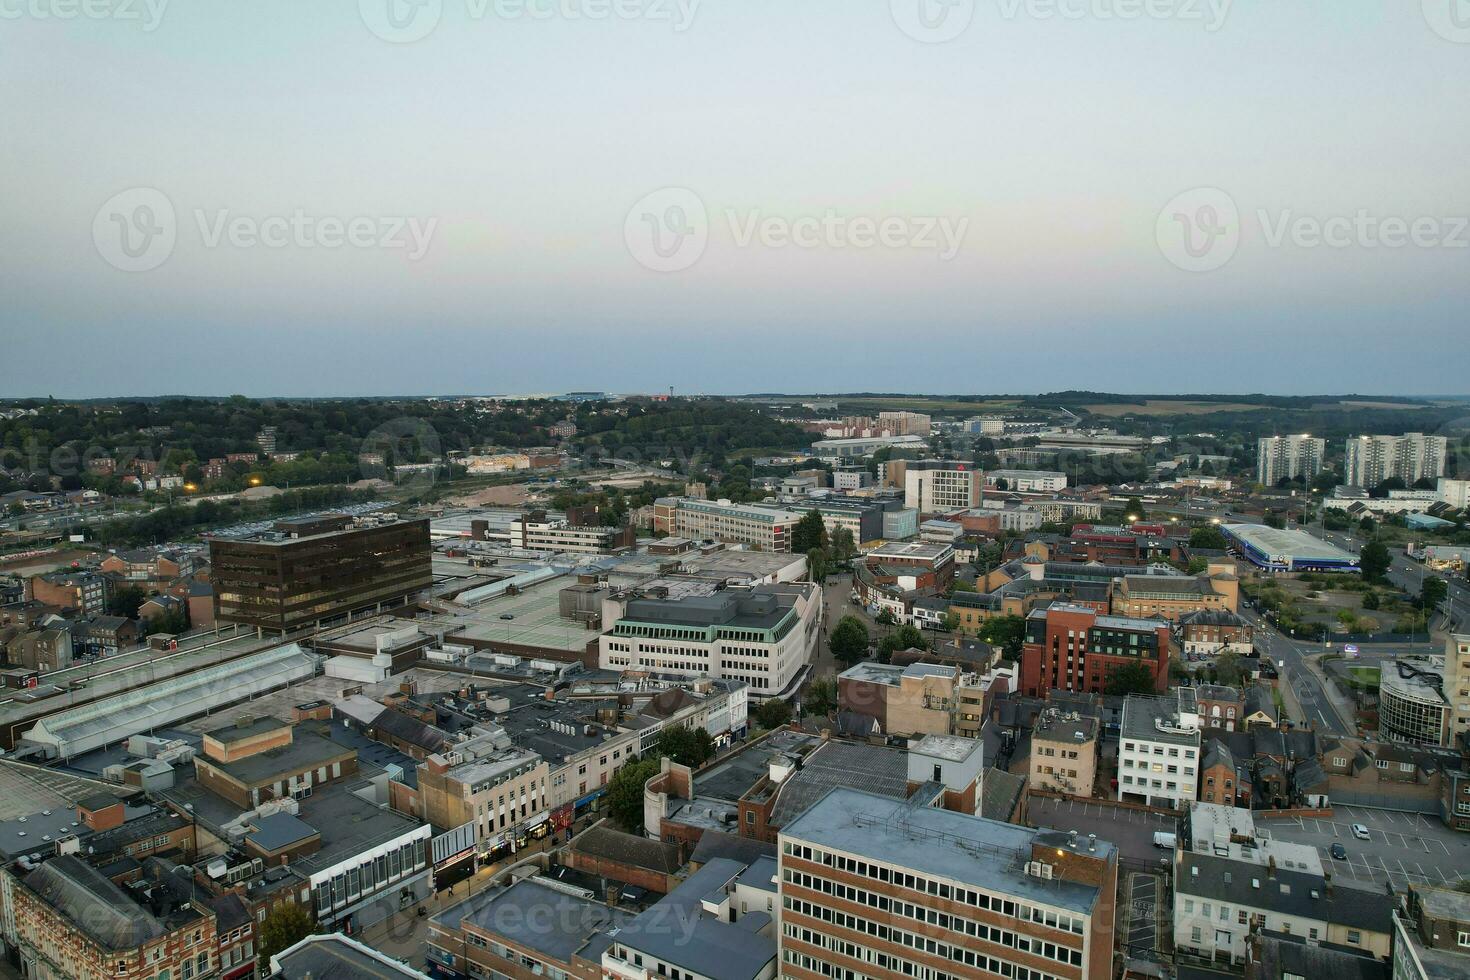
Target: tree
<point>125,602</point>
<point>1133,509</point>
<point>1208,537</point>
<point>1370,600</point>
<point>625,793</point>
<point>810,532</point>
<point>1228,670</point>
<point>1433,592</point>
<point>773,713</point>
<point>903,638</point>
<point>849,641</point>
<point>1272,519</point>
<point>1132,678</point>
<point>821,697</point>
<point>686,746</point>
<point>843,546</point>
<point>1006,632</point>
<point>952,621</point>
<point>1374,561</point>
<point>289,923</point>
<point>816,565</point>
<point>885,617</point>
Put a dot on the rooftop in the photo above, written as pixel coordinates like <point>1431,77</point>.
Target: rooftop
<point>968,850</point>
<point>1288,542</point>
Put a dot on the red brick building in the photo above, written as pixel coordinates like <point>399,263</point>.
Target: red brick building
<point>1073,648</point>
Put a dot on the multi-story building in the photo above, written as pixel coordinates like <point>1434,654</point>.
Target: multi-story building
<point>500,788</point>
<point>1072,647</point>
<point>1288,457</point>
<point>1027,481</point>
<point>1211,632</point>
<point>1173,597</point>
<point>253,761</point>
<point>1454,493</point>
<point>762,528</point>
<point>1410,457</point>
<point>311,570</point>
<point>872,886</point>
<point>86,592</point>
<point>1412,706</point>
<point>539,532</point>
<point>763,635</point>
<point>1159,750</point>
<point>1064,748</point>
<point>71,920</point>
<point>1431,934</point>
<point>851,478</point>
<point>1231,883</point>
<point>1457,684</point>
<point>934,485</point>
<point>913,565</point>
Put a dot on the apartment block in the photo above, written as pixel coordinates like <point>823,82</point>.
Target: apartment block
<point>1288,457</point>
<point>1410,457</point>
<point>1064,750</point>
<point>1072,647</point>
<point>1159,750</point>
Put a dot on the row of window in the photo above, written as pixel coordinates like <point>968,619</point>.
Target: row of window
<point>919,883</point>
<point>372,874</point>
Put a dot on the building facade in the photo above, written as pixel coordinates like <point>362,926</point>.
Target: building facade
<point>1410,457</point>
<point>761,528</point>
<point>1073,648</point>
<point>1288,457</point>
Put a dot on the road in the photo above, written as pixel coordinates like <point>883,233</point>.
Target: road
<point>1290,656</point>
<point>1409,575</point>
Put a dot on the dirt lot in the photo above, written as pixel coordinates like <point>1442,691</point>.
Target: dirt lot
<point>509,495</point>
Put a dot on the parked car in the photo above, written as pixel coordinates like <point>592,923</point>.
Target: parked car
<point>1361,832</point>
<point>1339,852</point>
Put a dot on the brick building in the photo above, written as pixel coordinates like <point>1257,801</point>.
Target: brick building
<point>1072,648</point>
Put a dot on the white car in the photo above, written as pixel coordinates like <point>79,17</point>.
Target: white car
<point>1361,832</point>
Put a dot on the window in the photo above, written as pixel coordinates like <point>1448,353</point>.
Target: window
<point>1354,936</point>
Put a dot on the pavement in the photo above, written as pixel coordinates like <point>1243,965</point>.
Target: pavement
<point>1306,691</point>
<point>1131,831</point>
<point>1144,915</point>
<point>1402,847</point>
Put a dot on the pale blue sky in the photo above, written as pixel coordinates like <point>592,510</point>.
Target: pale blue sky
<point>527,142</point>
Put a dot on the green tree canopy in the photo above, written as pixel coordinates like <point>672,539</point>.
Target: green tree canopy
<point>810,532</point>
<point>849,640</point>
<point>625,793</point>
<point>686,746</point>
<point>1132,678</point>
<point>1006,632</point>
<point>821,697</point>
<point>904,638</point>
<point>1374,561</point>
<point>1208,537</point>
<point>773,713</point>
<point>286,925</point>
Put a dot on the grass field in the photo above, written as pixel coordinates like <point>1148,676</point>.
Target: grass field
<point>1164,407</point>
<point>920,404</point>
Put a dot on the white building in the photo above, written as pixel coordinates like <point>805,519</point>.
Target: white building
<point>1455,493</point>
<point>763,635</point>
<point>1159,751</point>
<point>1288,457</point>
<point>939,485</point>
<point>1028,481</point>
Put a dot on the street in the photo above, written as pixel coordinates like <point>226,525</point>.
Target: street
<point>1306,688</point>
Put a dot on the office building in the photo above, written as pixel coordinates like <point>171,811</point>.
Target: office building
<point>1410,457</point>
<point>758,527</point>
<point>1027,481</point>
<point>1288,458</point>
<point>308,571</point>
<point>851,478</point>
<point>1159,750</point>
<point>499,788</point>
<point>762,635</point>
<point>1072,647</point>
<point>1412,706</point>
<point>872,886</point>
<point>933,485</point>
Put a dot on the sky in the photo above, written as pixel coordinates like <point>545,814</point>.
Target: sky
<point>343,197</point>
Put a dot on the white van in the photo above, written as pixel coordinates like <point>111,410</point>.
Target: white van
<point>1164,839</point>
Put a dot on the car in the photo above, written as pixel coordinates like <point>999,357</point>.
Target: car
<point>1361,832</point>
<point>507,616</point>
<point>1339,852</point>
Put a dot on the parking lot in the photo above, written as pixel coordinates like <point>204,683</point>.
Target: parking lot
<point>1143,923</point>
<point>1132,831</point>
<point>1402,847</point>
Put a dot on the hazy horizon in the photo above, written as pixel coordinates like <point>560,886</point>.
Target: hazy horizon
<point>285,200</point>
